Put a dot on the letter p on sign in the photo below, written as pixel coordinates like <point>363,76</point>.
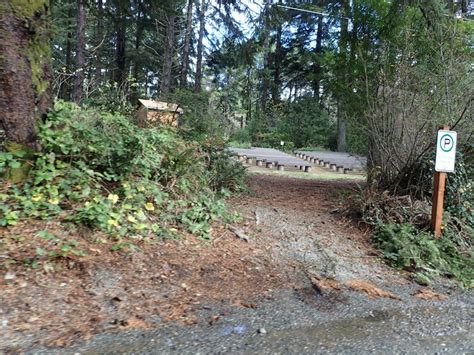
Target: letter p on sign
<point>445,151</point>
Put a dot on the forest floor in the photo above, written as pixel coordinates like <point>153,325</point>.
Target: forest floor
<point>298,276</point>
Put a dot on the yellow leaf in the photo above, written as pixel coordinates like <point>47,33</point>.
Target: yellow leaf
<point>149,206</point>
<point>114,198</point>
<point>37,197</point>
<point>112,222</point>
<point>131,219</point>
<point>53,201</point>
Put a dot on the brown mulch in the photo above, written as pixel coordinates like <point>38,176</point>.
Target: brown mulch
<point>429,295</point>
<point>56,302</point>
<point>370,290</point>
<point>66,299</point>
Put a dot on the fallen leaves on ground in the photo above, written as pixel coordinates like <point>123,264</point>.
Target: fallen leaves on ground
<point>429,295</point>
<point>369,289</point>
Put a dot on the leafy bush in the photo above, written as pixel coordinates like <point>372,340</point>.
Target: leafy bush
<point>225,174</point>
<point>273,140</point>
<point>100,170</point>
<point>406,248</point>
<point>305,124</point>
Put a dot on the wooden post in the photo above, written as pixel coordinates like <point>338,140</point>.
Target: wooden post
<point>438,202</point>
<point>438,199</point>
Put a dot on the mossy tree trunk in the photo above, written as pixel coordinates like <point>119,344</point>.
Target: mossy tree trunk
<point>78,89</point>
<point>25,72</point>
<point>200,46</point>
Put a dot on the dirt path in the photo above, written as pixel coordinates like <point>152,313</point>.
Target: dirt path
<point>298,219</point>
<point>302,268</point>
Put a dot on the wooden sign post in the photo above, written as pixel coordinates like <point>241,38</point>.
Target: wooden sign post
<point>438,203</point>
<point>445,159</point>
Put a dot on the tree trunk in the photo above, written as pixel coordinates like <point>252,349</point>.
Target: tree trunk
<point>277,67</point>
<point>266,58</point>
<point>200,44</point>
<point>25,71</point>
<point>168,56</point>
<point>65,92</point>
<point>120,30</point>
<point>99,35</point>
<point>318,50</point>
<point>343,41</point>
<point>78,89</point>
<point>464,6</point>
<point>137,58</point>
<point>187,41</point>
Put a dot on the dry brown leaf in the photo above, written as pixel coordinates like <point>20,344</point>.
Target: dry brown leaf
<point>429,295</point>
<point>135,323</point>
<point>369,289</point>
<point>239,303</point>
<point>323,284</point>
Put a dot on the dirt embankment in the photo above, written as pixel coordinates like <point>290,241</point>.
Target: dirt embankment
<point>293,237</point>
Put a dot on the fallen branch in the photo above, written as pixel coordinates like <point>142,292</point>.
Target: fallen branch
<point>239,233</point>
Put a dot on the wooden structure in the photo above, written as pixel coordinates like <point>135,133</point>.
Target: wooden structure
<point>155,113</point>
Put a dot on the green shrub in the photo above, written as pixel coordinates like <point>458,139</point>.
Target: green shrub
<point>406,248</point>
<point>305,124</point>
<point>100,170</point>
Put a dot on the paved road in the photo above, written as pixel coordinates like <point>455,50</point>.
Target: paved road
<point>273,155</point>
<point>345,160</point>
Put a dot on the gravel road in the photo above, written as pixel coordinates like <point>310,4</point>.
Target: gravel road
<point>292,324</point>
<point>294,222</point>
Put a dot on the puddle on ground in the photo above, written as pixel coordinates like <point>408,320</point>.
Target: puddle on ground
<point>378,324</point>
<point>325,302</point>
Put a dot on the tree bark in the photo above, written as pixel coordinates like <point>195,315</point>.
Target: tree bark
<point>99,35</point>
<point>78,89</point>
<point>266,58</point>
<point>168,56</point>
<point>25,71</point>
<point>120,32</point>
<point>200,45</point>
<point>277,67</point>
<point>65,92</point>
<point>140,18</point>
<point>187,42</point>
<point>343,41</point>
<point>318,50</point>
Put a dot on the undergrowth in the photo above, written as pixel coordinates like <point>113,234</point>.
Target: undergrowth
<point>402,229</point>
<point>101,171</point>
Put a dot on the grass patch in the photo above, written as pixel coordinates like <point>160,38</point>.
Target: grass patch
<point>316,174</point>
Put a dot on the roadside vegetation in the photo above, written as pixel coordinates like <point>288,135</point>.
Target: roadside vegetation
<point>365,77</point>
<point>99,171</point>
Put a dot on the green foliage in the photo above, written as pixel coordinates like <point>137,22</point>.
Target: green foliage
<point>225,174</point>
<point>113,97</point>
<point>300,124</point>
<point>272,140</point>
<point>102,171</point>
<point>459,198</point>
<point>406,248</point>
<point>305,124</point>
<point>198,119</point>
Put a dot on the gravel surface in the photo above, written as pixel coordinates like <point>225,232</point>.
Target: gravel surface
<point>292,324</point>
<point>294,222</point>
